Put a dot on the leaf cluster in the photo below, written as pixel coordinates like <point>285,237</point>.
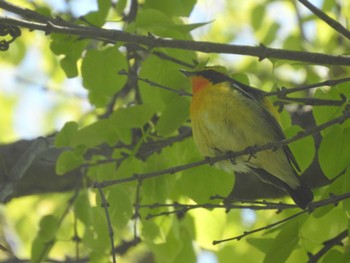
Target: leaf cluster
<point>145,191</point>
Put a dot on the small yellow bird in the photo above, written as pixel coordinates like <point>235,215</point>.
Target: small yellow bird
<point>229,116</point>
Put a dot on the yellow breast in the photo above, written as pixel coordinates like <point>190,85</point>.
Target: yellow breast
<point>224,120</point>
<point>220,116</point>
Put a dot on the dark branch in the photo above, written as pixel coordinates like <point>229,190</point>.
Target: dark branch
<point>284,91</point>
<point>113,36</point>
<point>246,233</point>
<point>328,245</point>
<point>109,223</point>
<point>330,21</point>
<point>312,101</point>
<point>154,84</point>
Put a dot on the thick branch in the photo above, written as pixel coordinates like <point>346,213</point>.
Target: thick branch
<point>21,166</point>
<point>112,36</point>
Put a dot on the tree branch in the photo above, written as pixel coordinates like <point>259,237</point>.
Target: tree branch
<point>179,208</point>
<point>284,91</point>
<point>109,223</point>
<point>328,245</point>
<point>23,163</point>
<point>330,21</point>
<point>246,233</point>
<point>334,199</point>
<point>113,36</point>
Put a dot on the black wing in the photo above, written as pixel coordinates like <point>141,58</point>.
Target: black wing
<point>280,136</point>
<point>258,96</point>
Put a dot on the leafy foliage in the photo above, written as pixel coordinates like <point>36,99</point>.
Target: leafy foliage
<point>133,146</point>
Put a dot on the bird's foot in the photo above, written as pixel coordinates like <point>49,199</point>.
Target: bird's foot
<point>232,157</point>
<point>252,154</point>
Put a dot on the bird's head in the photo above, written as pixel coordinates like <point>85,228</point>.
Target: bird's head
<point>205,77</point>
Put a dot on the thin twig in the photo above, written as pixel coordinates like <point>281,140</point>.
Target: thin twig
<point>154,84</point>
<point>284,91</point>
<point>162,55</point>
<point>330,21</point>
<point>246,233</point>
<point>312,101</point>
<point>137,208</point>
<point>328,245</point>
<point>333,199</point>
<point>183,208</point>
<point>109,223</point>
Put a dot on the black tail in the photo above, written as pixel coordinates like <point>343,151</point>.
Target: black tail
<point>302,196</point>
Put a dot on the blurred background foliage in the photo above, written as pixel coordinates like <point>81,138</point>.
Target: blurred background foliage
<point>59,83</point>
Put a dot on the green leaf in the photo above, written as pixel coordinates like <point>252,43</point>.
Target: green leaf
<point>120,6</point>
<point>186,253</point>
<point>96,237</point>
<point>165,73</point>
<point>157,189</point>
<point>152,231</point>
<point>71,48</point>
<point>95,134</point>
<point>241,77</point>
<point>82,208</point>
<point>262,244</point>
<point>292,42</point>
<point>132,117</point>
<point>64,137</point>
<point>257,16</point>
<point>283,244</point>
<point>174,115</point>
<point>98,18</point>
<point>208,226</point>
<point>271,33</point>
<point>303,150</point>
<point>45,238</point>
<point>346,189</point>
<point>334,151</point>
<point>100,74</point>
<point>324,114</point>
<point>120,205</point>
<point>172,8</point>
<point>334,255</point>
<point>153,21</point>
<point>124,119</point>
<point>42,10</point>
<point>200,183</point>
<point>69,66</point>
<point>335,188</point>
<point>167,252</point>
<point>97,257</point>
<point>40,250</point>
<point>67,161</point>
<point>101,172</point>
<point>48,227</point>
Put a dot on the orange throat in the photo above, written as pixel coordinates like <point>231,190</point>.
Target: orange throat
<point>198,83</point>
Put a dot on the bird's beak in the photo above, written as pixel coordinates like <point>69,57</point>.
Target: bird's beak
<point>187,73</point>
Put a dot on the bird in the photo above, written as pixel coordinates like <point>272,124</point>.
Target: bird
<point>229,116</point>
